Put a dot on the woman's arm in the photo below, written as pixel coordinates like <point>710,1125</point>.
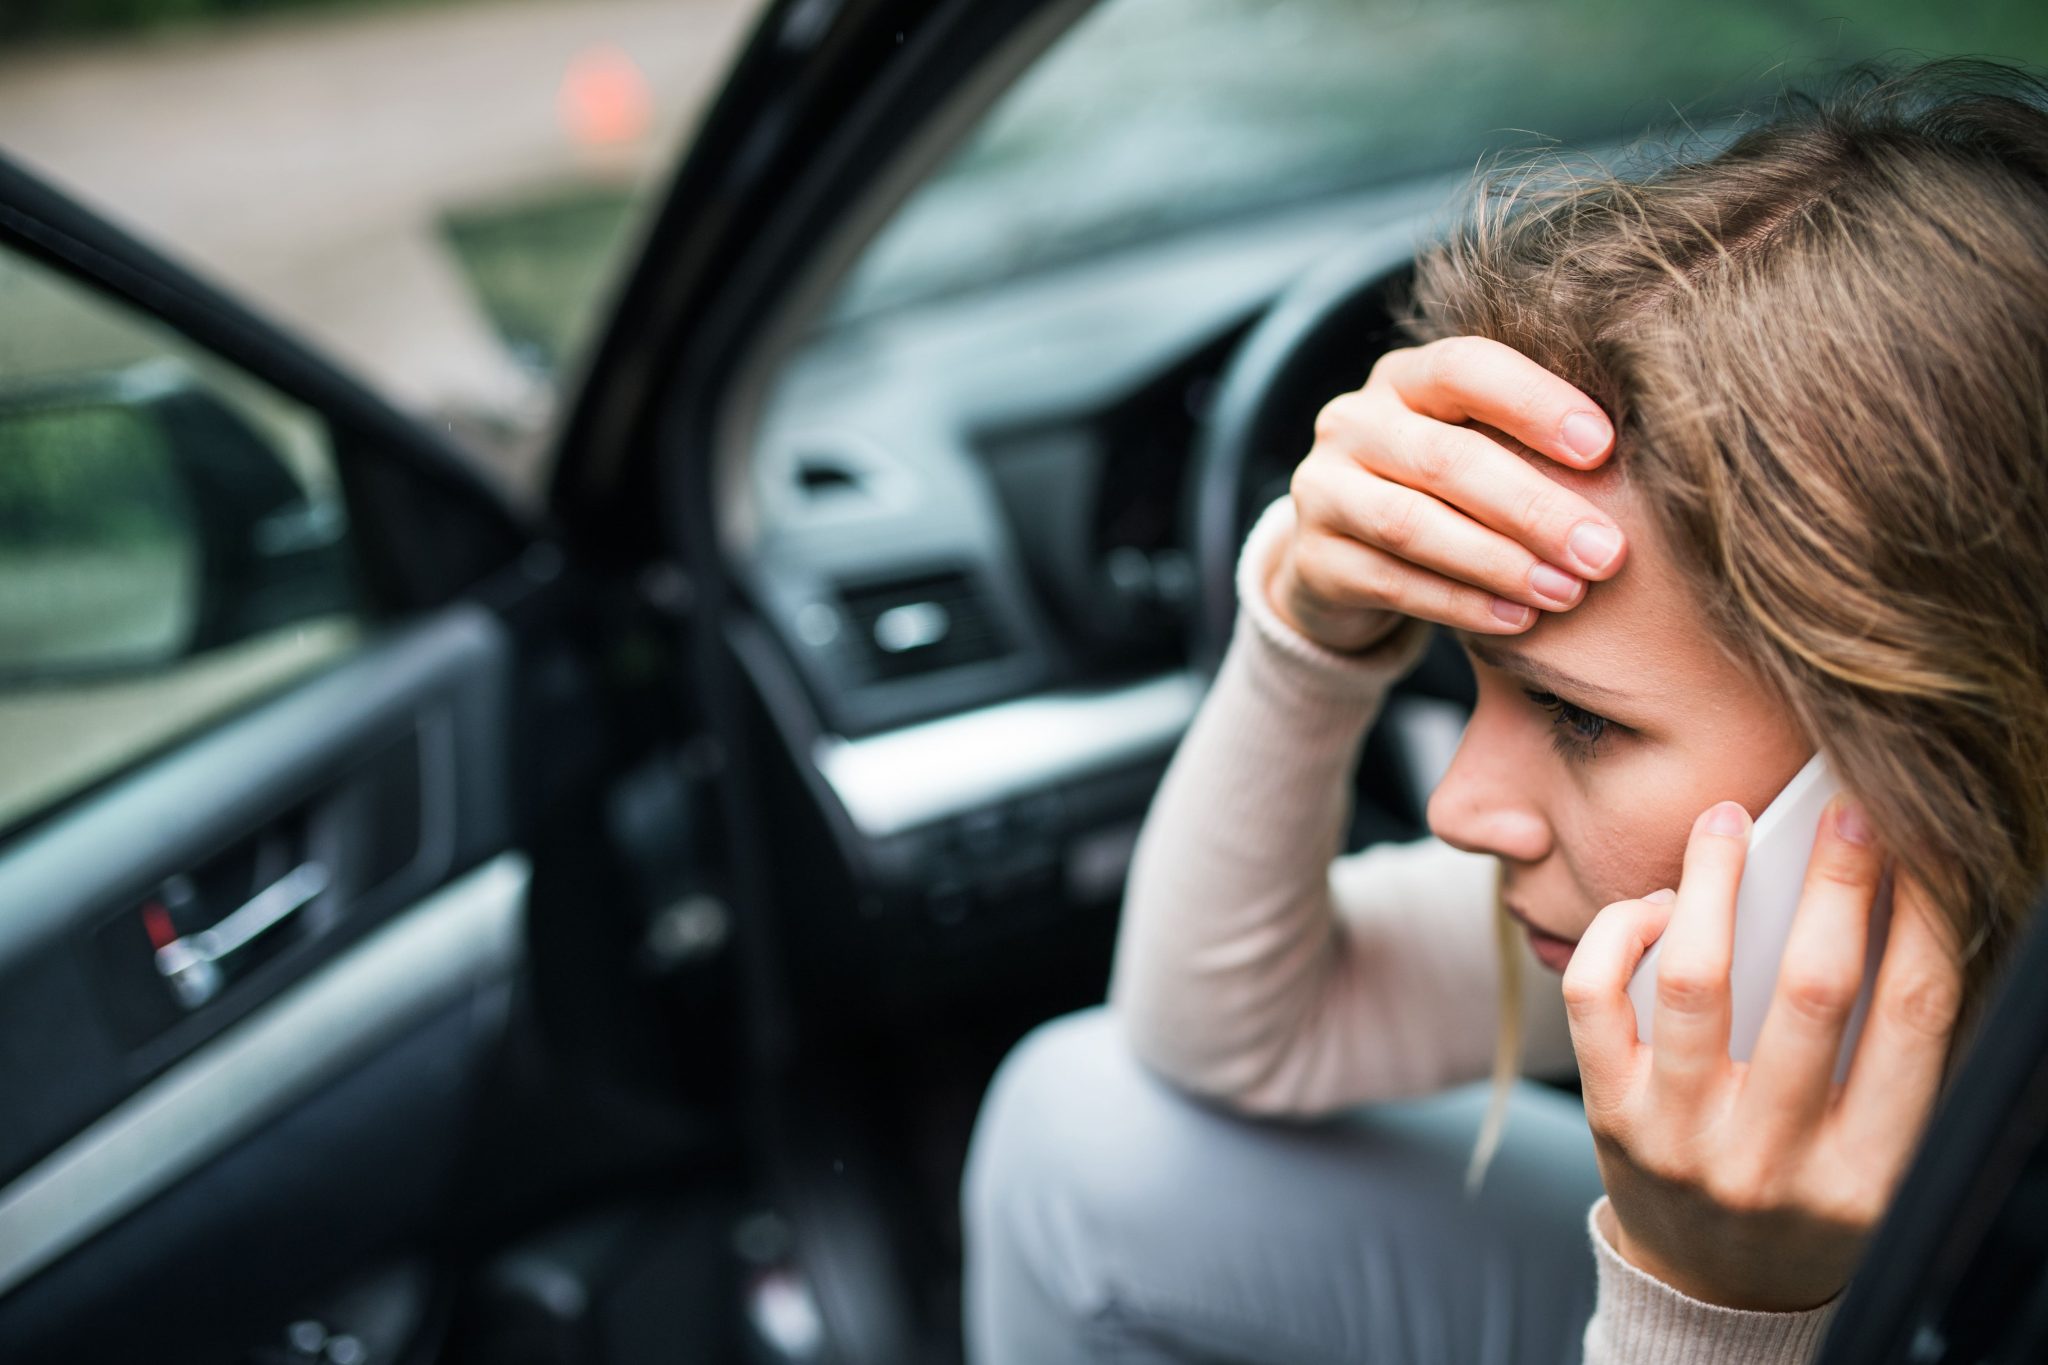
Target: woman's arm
<point>1253,963</point>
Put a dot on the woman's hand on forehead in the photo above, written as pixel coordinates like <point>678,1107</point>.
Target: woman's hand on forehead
<point>1467,380</point>
<point>1406,506</point>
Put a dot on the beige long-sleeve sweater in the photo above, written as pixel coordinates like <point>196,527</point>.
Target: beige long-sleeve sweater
<point>1257,965</point>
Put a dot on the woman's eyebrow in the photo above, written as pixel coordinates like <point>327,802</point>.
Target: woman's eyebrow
<point>1521,665</point>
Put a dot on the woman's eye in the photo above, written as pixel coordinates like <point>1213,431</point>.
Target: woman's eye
<point>1575,731</point>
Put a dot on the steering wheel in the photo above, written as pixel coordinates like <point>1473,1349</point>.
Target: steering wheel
<point>1317,340</point>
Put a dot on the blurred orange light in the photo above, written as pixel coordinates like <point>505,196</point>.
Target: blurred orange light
<point>604,99</point>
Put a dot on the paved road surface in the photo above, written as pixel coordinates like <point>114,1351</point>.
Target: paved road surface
<point>306,159</point>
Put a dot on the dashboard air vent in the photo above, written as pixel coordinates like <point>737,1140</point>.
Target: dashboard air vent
<point>824,476</point>
<point>909,626</point>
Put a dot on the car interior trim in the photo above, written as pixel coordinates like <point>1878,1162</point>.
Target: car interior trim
<point>779,332</point>
<point>463,936</point>
<point>97,853</point>
<point>900,779</point>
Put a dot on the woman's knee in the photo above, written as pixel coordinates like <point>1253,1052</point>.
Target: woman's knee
<point>1039,1279</point>
<point>1080,1164</point>
<point>1100,1201</point>
<point>1057,1118</point>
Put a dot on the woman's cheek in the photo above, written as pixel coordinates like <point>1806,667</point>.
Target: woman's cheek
<point>1625,849</point>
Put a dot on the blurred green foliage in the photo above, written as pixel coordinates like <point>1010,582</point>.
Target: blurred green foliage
<point>88,478</point>
<point>539,266</point>
<point>53,18</point>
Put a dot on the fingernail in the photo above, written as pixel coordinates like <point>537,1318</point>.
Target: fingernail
<point>1851,823</point>
<point>1728,818</point>
<point>1664,897</point>
<point>1585,433</point>
<point>1514,613</point>
<point>1594,545</point>
<point>1555,584</point>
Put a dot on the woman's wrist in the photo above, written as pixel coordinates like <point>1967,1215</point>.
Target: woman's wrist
<point>1352,633</point>
<point>1290,657</point>
<point>1642,1319</point>
<point>1646,1260</point>
<point>1641,1258</point>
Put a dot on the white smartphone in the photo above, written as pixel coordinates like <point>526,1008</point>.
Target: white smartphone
<point>1773,874</point>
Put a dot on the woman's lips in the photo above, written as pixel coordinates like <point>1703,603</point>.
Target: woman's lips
<point>1551,950</point>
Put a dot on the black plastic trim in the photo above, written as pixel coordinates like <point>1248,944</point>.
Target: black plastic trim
<point>1993,1119</point>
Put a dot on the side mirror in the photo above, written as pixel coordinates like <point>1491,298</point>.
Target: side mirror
<point>143,519</point>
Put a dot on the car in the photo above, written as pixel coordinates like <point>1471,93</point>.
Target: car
<point>438,929</point>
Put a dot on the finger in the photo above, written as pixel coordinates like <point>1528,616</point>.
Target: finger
<point>1342,569</point>
<point>1897,1071</point>
<point>1790,1081</point>
<point>1430,535</point>
<point>1466,379</point>
<point>1692,1011</point>
<point>1603,1021</point>
<point>1488,482</point>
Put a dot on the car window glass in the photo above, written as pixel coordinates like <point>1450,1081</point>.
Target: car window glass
<point>437,195</point>
<point>1153,116</point>
<point>173,540</point>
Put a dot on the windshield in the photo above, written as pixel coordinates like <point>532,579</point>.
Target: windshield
<point>1153,116</point>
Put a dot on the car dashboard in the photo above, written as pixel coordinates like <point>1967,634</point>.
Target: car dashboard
<point>966,529</point>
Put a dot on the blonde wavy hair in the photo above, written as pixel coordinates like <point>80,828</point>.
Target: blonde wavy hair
<point>1825,351</point>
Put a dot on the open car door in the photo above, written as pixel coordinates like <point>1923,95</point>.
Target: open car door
<point>361,866</point>
<point>262,886</point>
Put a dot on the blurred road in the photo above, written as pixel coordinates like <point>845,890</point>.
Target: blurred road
<point>306,159</point>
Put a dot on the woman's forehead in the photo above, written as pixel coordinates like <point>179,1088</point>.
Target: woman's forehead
<point>1639,632</point>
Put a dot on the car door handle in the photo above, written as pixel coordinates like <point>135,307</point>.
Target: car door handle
<point>191,963</point>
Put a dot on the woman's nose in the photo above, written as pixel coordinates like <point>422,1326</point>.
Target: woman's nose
<point>1484,803</point>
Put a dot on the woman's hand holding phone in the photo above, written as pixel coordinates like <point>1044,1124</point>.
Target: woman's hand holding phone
<point>1403,508</point>
<point>1756,1184</point>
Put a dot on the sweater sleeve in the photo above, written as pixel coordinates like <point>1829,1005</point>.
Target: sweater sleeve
<point>1640,1320</point>
<point>1256,965</point>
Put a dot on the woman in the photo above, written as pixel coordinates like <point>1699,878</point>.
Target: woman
<point>1705,471</point>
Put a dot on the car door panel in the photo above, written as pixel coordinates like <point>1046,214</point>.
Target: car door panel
<point>174,1175</point>
<point>127,1103</point>
<point>341,1182</point>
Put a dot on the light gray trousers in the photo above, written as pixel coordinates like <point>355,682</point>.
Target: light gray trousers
<point>1111,1217</point>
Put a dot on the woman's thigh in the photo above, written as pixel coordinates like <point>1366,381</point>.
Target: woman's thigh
<point>1112,1217</point>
